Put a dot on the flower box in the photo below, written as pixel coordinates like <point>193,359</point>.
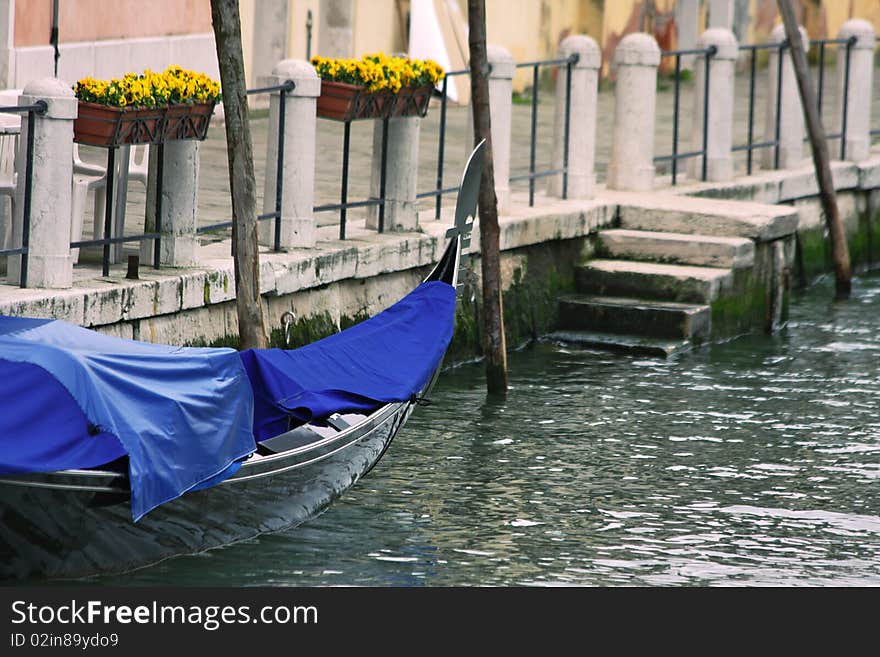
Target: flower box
<point>341,101</point>
<point>101,125</point>
<point>188,121</point>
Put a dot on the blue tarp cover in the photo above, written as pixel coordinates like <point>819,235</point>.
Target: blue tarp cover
<point>387,358</point>
<point>73,398</point>
<point>183,415</point>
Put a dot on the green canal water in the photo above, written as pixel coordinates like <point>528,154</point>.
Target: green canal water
<point>752,462</point>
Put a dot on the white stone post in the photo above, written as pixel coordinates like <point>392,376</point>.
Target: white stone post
<point>49,261</point>
<point>300,126</point>
<point>687,16</point>
<point>335,31</point>
<point>858,91</point>
<point>791,125</point>
<point>401,174</point>
<point>7,43</point>
<point>722,69</point>
<point>270,36</point>
<point>721,14</point>
<point>582,118</point>
<point>635,100</point>
<point>179,245</point>
<point>501,70</point>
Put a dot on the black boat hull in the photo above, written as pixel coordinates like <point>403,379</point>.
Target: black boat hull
<point>51,527</point>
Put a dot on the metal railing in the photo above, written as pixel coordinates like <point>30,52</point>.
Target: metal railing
<point>675,156</point>
<point>344,204</point>
<point>439,190</point>
<point>283,89</point>
<point>780,48</point>
<point>568,62</point>
<point>39,107</point>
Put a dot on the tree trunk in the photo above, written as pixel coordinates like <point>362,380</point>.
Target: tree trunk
<point>819,147</point>
<point>493,319</point>
<point>239,151</point>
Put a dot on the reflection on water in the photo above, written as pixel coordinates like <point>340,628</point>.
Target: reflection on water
<point>751,462</point>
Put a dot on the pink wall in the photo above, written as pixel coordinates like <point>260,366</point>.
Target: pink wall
<point>93,20</point>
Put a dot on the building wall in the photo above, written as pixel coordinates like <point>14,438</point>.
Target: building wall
<point>93,20</point>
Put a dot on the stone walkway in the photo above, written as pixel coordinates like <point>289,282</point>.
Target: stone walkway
<point>214,199</point>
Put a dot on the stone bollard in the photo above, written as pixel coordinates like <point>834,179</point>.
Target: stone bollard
<point>791,125</point>
<point>582,118</point>
<point>635,100</point>
<point>861,73</point>
<point>722,69</point>
<point>721,14</point>
<point>179,245</point>
<point>298,186</point>
<point>401,174</point>
<point>49,264</point>
<point>687,18</point>
<point>501,70</point>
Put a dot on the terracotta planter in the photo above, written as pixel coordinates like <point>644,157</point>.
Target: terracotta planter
<point>412,101</point>
<point>348,102</point>
<point>99,125</point>
<point>188,121</point>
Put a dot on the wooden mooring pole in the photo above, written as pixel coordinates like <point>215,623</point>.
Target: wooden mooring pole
<point>494,348</point>
<point>819,147</point>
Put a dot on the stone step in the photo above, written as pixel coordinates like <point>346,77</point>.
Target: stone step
<point>669,213</point>
<point>650,280</point>
<point>659,319</point>
<point>631,344</point>
<point>704,250</point>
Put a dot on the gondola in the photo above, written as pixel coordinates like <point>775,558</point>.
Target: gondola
<point>306,445</point>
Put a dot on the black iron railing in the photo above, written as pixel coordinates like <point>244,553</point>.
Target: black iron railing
<point>344,204</point>
<point>283,89</point>
<point>675,156</point>
<point>23,250</point>
<point>440,190</point>
<point>532,175</point>
<point>820,84</point>
<point>751,145</point>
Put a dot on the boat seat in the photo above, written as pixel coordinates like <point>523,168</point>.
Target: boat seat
<point>299,437</point>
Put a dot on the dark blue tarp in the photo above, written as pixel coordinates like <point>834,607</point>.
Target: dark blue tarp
<point>184,416</point>
<point>387,358</point>
<point>73,398</point>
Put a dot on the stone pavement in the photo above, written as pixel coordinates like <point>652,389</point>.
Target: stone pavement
<point>214,199</point>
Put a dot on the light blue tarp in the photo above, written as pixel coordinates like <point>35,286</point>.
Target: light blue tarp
<point>184,416</point>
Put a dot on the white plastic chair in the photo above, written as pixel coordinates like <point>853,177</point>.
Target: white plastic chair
<point>89,178</point>
<point>8,179</point>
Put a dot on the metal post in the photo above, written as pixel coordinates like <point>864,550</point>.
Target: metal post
<point>675,101</point>
<point>821,82</point>
<point>568,66</point>
<point>751,111</point>
<point>279,168</point>
<point>849,45</point>
<point>309,35</point>
<point>534,135</point>
<point>160,175</point>
<point>108,209</point>
<point>26,204</point>
<point>711,51</point>
<point>346,141</point>
<point>778,102</point>
<point>382,174</point>
<point>441,147</point>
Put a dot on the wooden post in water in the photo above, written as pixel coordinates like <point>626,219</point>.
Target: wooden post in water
<point>239,151</point>
<point>493,320</point>
<point>819,147</point>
